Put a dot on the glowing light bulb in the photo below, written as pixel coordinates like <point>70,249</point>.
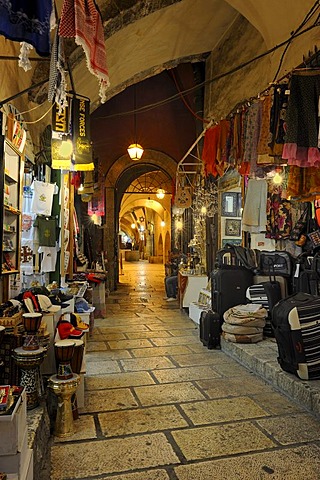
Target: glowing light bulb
<point>66,148</point>
<point>163,223</point>
<point>277,179</point>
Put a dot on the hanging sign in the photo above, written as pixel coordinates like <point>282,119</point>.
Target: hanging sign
<point>81,135</point>
<point>60,129</point>
<point>183,197</point>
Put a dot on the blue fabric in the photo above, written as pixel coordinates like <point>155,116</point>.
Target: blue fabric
<point>27,21</point>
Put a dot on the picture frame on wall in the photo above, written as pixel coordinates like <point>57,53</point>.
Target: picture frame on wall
<point>230,204</point>
<point>232,228</point>
<point>231,241</point>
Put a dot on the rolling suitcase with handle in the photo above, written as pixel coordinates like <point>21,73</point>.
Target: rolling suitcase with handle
<point>228,288</point>
<point>296,324</point>
<point>210,329</point>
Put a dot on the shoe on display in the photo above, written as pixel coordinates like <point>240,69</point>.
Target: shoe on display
<point>171,299</point>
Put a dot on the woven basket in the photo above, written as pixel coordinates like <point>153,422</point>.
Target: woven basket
<point>12,322</point>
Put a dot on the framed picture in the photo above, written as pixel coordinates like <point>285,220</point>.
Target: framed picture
<point>231,241</point>
<point>233,228</point>
<point>230,204</point>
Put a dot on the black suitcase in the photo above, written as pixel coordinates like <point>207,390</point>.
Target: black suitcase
<point>228,288</point>
<point>210,329</point>
<point>296,325</point>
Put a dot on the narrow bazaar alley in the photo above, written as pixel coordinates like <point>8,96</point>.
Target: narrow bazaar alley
<point>160,406</point>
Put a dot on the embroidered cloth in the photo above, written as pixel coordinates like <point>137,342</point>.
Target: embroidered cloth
<point>81,20</point>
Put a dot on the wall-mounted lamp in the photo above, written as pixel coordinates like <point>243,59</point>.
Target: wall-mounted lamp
<point>133,226</point>
<point>163,223</point>
<point>160,193</point>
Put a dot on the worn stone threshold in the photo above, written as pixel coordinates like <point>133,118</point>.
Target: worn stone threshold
<point>261,359</point>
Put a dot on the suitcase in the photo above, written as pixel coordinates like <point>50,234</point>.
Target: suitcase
<point>296,324</point>
<point>306,277</point>
<point>228,288</point>
<point>282,280</point>
<point>210,329</point>
<point>267,294</point>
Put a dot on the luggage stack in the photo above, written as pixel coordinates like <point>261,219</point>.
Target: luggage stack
<point>244,323</point>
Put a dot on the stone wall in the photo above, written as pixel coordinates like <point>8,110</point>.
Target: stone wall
<point>241,44</point>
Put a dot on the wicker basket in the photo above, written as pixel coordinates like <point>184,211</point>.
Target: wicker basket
<point>12,322</point>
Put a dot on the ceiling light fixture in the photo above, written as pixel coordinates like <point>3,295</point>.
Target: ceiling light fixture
<point>135,150</point>
<point>160,193</point>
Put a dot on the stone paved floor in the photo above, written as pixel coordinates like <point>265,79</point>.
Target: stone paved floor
<point>160,406</point>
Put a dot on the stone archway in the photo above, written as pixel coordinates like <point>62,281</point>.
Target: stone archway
<point>117,180</point>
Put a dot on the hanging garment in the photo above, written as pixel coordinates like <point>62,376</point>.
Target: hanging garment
<point>222,152</point>
<point>42,197</point>
<point>96,205</point>
<point>29,23</point>
<point>210,148</point>
<point>27,218</point>
<point>243,165</point>
<point>57,90</point>
<point>49,259</point>
<point>279,218</point>
<point>81,19</point>
<point>47,230</point>
<point>263,148</point>
<point>26,257</point>
<point>252,132</point>
<point>303,183</point>
<point>277,119</point>
<point>255,208</point>
<point>301,147</point>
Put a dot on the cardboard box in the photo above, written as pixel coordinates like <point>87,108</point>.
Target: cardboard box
<point>14,428</point>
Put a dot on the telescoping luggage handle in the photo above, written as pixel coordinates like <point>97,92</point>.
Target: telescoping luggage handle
<point>241,256</point>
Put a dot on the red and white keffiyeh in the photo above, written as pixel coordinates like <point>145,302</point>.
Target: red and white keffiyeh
<point>81,20</point>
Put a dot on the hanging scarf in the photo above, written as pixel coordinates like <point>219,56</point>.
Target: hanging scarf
<point>81,20</point>
<point>57,78</point>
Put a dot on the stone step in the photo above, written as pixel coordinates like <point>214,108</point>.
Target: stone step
<point>261,359</point>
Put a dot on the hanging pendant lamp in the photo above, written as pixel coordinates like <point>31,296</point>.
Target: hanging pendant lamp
<point>135,150</point>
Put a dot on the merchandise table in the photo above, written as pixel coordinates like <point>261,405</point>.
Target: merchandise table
<point>189,286</point>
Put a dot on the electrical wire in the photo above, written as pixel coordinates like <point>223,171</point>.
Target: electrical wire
<point>177,96</point>
<point>309,15</point>
<point>41,118</point>
<point>185,101</point>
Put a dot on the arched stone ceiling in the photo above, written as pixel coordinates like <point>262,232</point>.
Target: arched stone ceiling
<point>273,19</point>
<point>156,35</point>
<point>145,37</point>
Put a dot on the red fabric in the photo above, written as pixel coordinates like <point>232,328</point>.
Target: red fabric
<point>210,149</point>
<point>81,19</point>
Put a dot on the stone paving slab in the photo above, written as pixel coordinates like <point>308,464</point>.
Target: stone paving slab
<point>301,463</point>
